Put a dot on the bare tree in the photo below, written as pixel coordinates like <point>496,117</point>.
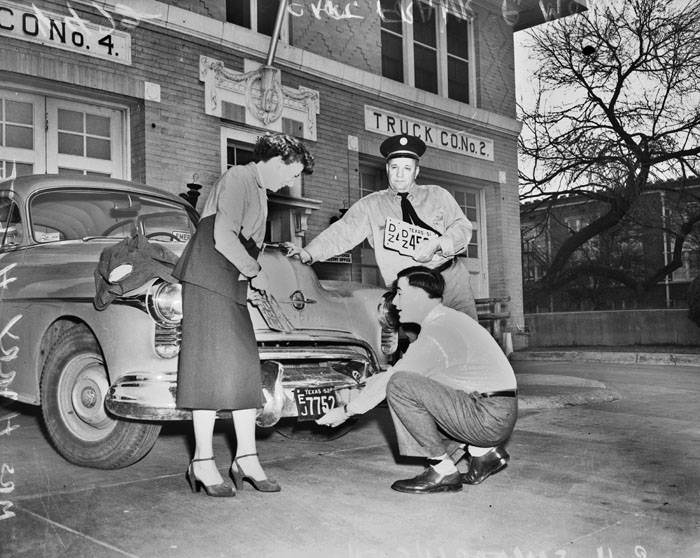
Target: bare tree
<point>629,122</point>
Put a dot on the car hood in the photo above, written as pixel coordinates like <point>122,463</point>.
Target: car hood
<point>65,270</point>
<point>340,306</point>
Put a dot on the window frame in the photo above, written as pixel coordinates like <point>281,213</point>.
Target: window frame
<point>253,5</point>
<point>15,203</point>
<point>44,157</point>
<point>441,7</point>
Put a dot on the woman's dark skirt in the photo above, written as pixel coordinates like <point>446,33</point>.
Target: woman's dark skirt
<point>219,365</point>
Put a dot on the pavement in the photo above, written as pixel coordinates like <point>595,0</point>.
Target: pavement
<point>605,463</point>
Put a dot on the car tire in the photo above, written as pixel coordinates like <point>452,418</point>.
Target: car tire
<point>74,383</point>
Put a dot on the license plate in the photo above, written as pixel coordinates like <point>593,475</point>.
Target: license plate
<point>403,237</point>
<point>313,403</point>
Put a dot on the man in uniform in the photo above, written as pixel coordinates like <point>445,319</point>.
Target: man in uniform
<point>453,386</point>
<point>430,210</point>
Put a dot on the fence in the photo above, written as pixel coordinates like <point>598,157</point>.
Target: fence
<point>612,328</point>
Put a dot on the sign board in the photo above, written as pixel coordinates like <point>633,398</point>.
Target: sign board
<point>390,124</point>
<point>72,33</point>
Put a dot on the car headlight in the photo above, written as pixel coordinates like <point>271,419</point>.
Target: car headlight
<point>164,302</point>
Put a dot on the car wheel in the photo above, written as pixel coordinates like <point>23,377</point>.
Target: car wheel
<point>74,383</point>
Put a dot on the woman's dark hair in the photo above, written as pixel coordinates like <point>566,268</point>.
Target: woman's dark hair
<point>424,278</point>
<point>290,149</point>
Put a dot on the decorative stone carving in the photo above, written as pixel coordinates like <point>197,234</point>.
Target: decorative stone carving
<point>262,94</point>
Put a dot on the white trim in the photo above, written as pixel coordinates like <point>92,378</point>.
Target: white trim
<point>441,55</point>
<point>409,66</point>
<point>483,243</point>
<point>472,67</point>
<point>253,44</point>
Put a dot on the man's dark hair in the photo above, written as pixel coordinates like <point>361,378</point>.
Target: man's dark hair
<point>424,278</point>
<point>289,148</point>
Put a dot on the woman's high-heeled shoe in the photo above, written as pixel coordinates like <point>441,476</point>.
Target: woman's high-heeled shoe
<point>221,490</point>
<point>238,476</point>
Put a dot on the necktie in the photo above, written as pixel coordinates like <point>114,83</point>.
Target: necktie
<point>409,215</point>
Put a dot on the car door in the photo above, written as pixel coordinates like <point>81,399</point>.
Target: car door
<point>13,242</point>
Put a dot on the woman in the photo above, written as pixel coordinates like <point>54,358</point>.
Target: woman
<point>219,365</point>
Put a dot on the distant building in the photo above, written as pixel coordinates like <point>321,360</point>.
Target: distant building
<point>647,243</point>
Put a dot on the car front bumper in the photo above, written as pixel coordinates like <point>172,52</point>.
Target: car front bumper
<point>152,397</point>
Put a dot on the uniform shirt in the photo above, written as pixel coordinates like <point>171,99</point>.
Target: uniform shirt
<point>366,220</point>
<point>452,349</point>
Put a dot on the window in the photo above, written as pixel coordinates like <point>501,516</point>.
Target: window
<point>575,224</point>
<point>238,154</point>
<point>83,139</point>
<point>427,45</point>
<point>468,202</point>
<point>74,214</point>
<point>258,15</point>
<point>20,133</point>
<point>392,43</point>
<point>372,179</point>
<point>10,221</point>
<point>40,134</point>
<point>534,250</point>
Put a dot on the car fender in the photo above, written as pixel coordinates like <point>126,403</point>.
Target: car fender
<point>124,348</point>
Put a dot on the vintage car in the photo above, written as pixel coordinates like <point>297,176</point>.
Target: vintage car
<point>106,378</point>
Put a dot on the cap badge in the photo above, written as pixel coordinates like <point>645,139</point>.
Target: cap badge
<point>403,141</point>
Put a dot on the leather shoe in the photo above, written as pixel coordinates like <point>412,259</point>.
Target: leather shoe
<point>481,468</point>
<point>429,481</point>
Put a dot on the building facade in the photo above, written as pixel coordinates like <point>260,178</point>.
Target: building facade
<point>172,93</point>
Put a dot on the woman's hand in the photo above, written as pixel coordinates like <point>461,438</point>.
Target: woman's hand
<point>260,283</point>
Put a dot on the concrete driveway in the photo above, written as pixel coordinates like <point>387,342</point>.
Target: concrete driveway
<point>600,479</point>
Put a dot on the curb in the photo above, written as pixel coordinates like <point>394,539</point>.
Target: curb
<point>610,357</point>
<point>564,391</point>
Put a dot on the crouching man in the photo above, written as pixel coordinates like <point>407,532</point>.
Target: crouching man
<point>453,388</point>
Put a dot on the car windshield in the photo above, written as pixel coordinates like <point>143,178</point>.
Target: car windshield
<point>74,214</point>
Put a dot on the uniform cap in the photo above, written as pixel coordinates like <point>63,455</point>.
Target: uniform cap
<point>402,145</point>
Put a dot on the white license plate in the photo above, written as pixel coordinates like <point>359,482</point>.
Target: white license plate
<point>403,237</point>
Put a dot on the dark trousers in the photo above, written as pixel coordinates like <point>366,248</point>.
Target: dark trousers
<point>431,418</point>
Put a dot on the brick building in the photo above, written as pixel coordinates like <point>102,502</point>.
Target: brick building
<point>170,93</point>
